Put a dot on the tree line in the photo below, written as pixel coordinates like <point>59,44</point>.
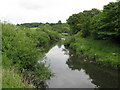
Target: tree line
<point>95,34</point>
<point>100,24</point>
<point>59,26</point>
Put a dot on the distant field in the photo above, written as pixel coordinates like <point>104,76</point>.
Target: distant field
<point>34,28</point>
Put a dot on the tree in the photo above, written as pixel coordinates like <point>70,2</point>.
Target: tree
<point>81,21</point>
<point>59,22</point>
<point>107,23</point>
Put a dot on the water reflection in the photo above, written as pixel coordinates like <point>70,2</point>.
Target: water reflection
<point>101,76</point>
<point>71,71</point>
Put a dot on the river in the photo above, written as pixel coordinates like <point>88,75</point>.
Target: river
<point>71,71</point>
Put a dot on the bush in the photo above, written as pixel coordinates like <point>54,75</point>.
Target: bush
<point>10,77</point>
<point>20,46</point>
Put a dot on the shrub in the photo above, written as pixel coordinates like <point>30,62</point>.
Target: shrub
<point>20,46</point>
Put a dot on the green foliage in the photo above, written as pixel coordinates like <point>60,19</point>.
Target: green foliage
<point>10,77</point>
<point>99,24</point>
<point>103,30</point>
<point>102,51</point>
<point>43,27</point>
<point>29,25</point>
<point>58,27</point>
<point>59,22</point>
<point>106,23</point>
<point>81,22</point>
<point>53,35</point>
<point>12,80</point>
<point>41,38</point>
<point>61,28</point>
<point>22,46</point>
<point>18,47</point>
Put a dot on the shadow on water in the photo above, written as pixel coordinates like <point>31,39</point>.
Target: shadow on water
<point>102,77</point>
<point>71,71</point>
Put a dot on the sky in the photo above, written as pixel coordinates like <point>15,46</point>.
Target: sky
<point>27,11</point>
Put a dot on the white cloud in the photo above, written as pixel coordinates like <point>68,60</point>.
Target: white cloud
<point>20,11</point>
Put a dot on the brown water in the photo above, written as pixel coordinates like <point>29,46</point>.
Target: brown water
<point>71,71</point>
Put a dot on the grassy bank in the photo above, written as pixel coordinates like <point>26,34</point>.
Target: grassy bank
<point>102,51</point>
<point>11,77</point>
<point>95,33</point>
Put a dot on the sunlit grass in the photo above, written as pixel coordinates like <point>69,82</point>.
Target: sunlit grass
<point>34,28</point>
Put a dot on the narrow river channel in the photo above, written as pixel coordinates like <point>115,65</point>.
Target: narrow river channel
<point>71,71</point>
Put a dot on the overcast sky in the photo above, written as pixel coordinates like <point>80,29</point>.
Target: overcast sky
<point>22,11</point>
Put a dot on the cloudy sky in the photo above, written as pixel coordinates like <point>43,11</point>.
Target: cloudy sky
<point>22,11</point>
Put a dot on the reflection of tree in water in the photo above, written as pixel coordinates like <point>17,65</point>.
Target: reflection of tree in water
<point>101,76</point>
<point>73,64</point>
<point>40,84</point>
<point>51,45</point>
<point>59,44</point>
<point>66,52</point>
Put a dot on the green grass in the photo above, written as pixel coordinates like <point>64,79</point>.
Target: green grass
<point>65,34</point>
<point>102,51</point>
<point>10,76</point>
<point>34,28</point>
<point>11,79</point>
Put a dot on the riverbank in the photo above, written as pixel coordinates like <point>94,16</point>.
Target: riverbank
<point>96,34</point>
<point>100,51</point>
<point>21,48</point>
<point>72,71</point>
<point>11,77</point>
<point>13,80</point>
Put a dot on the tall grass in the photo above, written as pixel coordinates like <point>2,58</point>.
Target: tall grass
<point>10,77</point>
<point>103,51</point>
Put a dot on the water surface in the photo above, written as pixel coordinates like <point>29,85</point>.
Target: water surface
<point>71,71</point>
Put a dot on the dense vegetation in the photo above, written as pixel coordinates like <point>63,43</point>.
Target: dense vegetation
<point>93,33</point>
<point>96,34</point>
<point>20,49</point>
<point>29,25</point>
<point>58,27</point>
